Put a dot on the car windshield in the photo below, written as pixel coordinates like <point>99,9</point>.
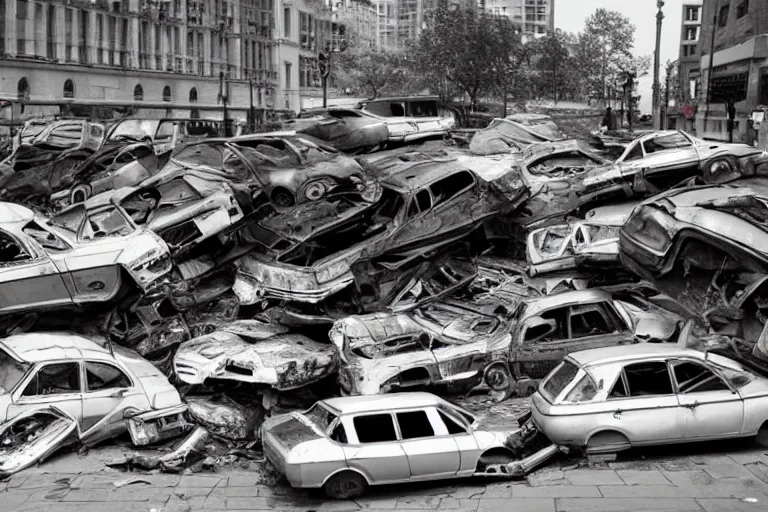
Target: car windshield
<point>556,382</point>
<point>105,223</point>
<point>320,416</point>
<point>134,129</point>
<point>731,371</point>
<point>70,219</point>
<point>66,135</point>
<point>11,372</point>
<point>455,410</point>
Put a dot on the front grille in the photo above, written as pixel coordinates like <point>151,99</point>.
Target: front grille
<point>180,235</point>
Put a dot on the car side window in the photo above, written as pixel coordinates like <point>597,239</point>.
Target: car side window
<point>694,378</point>
<point>589,320</point>
<point>201,154</point>
<point>448,187</point>
<point>666,141</point>
<point>635,154</point>
<point>46,239</point>
<point>234,166</point>
<point>100,376</point>
<point>648,379</point>
<point>419,204</point>
<point>11,251</point>
<point>551,327</point>
<point>452,425</point>
<point>375,428</point>
<point>619,389</point>
<point>339,434</point>
<point>414,424</point>
<point>54,379</point>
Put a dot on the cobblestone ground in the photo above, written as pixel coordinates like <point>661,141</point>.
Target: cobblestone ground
<point>722,477</point>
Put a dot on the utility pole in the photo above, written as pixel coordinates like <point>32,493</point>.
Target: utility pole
<point>711,63</point>
<point>324,65</point>
<point>666,96</point>
<point>224,95</point>
<point>251,113</point>
<point>656,58</point>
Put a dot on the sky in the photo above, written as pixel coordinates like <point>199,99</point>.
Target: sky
<point>570,16</point>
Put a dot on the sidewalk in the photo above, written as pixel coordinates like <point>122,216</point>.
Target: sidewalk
<point>733,482</point>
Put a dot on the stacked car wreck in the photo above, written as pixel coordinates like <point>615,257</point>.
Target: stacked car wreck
<point>244,271</point>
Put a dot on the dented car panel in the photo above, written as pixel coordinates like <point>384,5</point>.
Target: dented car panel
<point>259,354</point>
<point>32,436</point>
<point>344,129</point>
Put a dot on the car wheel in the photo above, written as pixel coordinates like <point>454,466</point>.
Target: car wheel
<point>282,197</point>
<point>762,436</point>
<point>497,377</point>
<point>80,193</point>
<point>345,486</point>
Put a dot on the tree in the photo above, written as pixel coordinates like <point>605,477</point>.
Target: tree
<point>605,43</point>
<point>367,69</point>
<point>553,52</point>
<point>510,58</point>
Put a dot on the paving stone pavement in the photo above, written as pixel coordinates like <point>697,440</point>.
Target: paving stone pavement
<point>722,482</point>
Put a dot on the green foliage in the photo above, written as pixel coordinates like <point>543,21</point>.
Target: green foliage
<point>370,71</point>
<point>605,49</point>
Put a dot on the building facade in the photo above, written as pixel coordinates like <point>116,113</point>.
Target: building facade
<point>733,65</point>
<point>166,57</point>
<point>688,72</point>
<point>534,17</point>
<point>358,17</point>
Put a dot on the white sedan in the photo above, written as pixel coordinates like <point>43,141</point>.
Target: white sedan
<point>610,399</point>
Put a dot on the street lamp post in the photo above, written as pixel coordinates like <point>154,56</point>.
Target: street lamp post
<point>656,58</point>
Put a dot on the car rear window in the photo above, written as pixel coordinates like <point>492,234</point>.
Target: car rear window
<point>558,380</point>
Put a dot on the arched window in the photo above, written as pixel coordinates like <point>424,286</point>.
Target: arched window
<point>138,93</point>
<point>23,89</point>
<point>166,93</point>
<point>69,89</point>
<point>193,95</point>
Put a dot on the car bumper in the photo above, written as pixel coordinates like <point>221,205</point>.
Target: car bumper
<point>155,426</point>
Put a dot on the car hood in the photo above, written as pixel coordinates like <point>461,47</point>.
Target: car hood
<point>337,166</point>
<point>504,135</point>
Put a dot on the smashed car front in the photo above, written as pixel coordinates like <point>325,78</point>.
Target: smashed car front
<point>301,450</point>
<point>647,237</point>
<point>146,258</point>
<point>333,175</point>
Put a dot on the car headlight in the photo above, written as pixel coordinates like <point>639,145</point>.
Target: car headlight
<point>315,191</point>
<point>721,170</point>
<point>645,227</point>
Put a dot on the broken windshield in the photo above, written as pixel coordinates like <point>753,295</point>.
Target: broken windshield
<point>105,223</point>
<point>134,129</point>
<point>70,219</point>
<point>11,372</point>
<point>320,416</point>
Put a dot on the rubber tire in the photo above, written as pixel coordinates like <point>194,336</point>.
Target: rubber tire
<point>347,485</point>
<point>82,188</point>
<point>497,377</point>
<point>762,436</point>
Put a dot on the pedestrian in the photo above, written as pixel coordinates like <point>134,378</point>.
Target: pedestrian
<point>609,120</point>
<point>731,111</point>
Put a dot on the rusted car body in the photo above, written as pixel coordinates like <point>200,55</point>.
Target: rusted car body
<point>359,445</point>
<point>289,168</point>
<point>592,241</point>
<point>611,399</point>
<point>514,133</point>
<point>424,206</point>
<point>46,163</point>
<point>255,352</point>
<point>410,118</point>
<point>345,129</point>
<point>58,262</point>
<point>98,387</point>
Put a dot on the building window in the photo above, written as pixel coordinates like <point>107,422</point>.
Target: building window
<point>166,93</point>
<point>193,95</point>
<point>138,93</point>
<point>287,22</point>
<point>691,33</point>
<point>69,89</point>
<point>722,18</point>
<point>84,36</point>
<point>742,9</point>
<point>21,26</point>
<point>288,75</point>
<point>22,88</point>
<point>692,14</point>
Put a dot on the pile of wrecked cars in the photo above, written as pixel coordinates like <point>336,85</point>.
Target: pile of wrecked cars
<point>167,287</point>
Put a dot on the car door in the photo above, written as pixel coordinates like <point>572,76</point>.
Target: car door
<point>28,277</point>
<point>55,383</point>
<point>669,158</point>
<point>710,407</point>
<point>458,361</point>
<point>644,404</point>
<point>374,449</point>
<point>469,450</point>
<point>430,451</point>
<point>108,392</point>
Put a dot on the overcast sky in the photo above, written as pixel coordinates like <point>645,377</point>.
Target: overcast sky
<point>571,14</point>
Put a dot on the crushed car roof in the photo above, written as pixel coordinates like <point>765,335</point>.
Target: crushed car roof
<point>38,346</point>
<point>621,353</point>
<point>373,403</point>
<point>419,174</point>
<point>566,298</point>
<point>12,213</point>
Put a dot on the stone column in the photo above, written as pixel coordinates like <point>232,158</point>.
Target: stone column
<point>165,46</point>
<point>133,43</point>
<point>182,50</point>
<point>75,36</point>
<point>207,53</point>
<point>43,32</point>
<point>10,27</point>
<point>60,46</point>
<point>152,43</point>
<point>30,35</point>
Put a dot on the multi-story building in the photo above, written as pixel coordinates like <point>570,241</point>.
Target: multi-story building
<point>534,17</point>
<point>688,72</point>
<point>734,65</point>
<point>358,17</point>
<point>305,30</point>
<point>386,24</point>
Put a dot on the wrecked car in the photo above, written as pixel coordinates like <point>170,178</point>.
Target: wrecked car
<point>345,129</point>
<point>611,399</point>
<point>289,168</point>
<point>423,206</point>
<point>164,135</point>
<point>37,168</point>
<point>514,133</point>
<point>410,118</point>
<point>74,258</point>
<point>32,436</point>
<point>593,241</point>
<point>98,388</point>
<point>254,352</point>
<point>341,431</point>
